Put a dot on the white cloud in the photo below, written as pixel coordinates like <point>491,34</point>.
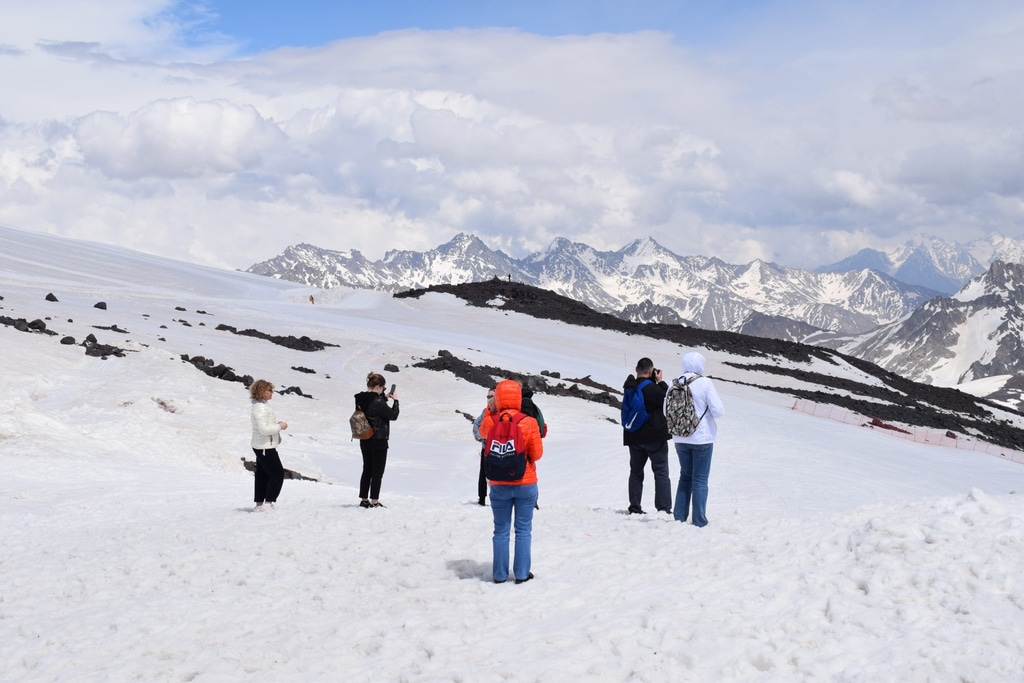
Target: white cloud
<point>410,136</point>
<point>176,138</point>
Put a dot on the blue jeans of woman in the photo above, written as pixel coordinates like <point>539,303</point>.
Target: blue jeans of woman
<point>506,499</point>
<point>694,470</point>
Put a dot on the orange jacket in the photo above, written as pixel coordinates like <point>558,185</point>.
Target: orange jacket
<point>508,397</point>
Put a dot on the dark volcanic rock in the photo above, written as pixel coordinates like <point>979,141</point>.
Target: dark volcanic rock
<point>22,325</point>
<point>899,400</point>
<point>220,371</point>
<point>488,375</point>
<point>250,465</point>
<point>296,343</point>
<point>540,303</point>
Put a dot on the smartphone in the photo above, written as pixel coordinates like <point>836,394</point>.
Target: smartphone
<point>392,393</point>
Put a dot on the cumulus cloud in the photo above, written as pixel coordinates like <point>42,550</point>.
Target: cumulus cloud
<point>175,138</point>
<point>786,146</point>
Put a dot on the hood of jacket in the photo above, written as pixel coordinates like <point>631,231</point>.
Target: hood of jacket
<point>365,398</point>
<point>693,362</point>
<point>508,395</point>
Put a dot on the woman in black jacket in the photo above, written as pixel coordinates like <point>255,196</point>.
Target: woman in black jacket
<point>374,402</point>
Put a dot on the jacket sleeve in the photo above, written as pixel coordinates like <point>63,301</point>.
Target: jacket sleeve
<point>486,423</point>
<point>380,409</point>
<point>534,444</point>
<point>476,426</point>
<point>263,420</point>
<point>714,403</point>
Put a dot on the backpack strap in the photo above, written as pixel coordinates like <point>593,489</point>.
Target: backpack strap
<point>691,380</point>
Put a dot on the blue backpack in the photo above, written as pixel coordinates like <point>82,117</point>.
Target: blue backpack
<point>634,412</point>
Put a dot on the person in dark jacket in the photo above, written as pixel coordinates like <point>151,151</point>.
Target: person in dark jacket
<point>481,485</point>
<point>650,442</point>
<point>374,402</point>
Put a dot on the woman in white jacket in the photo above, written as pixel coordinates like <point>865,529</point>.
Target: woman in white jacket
<point>266,435</point>
<point>694,451</point>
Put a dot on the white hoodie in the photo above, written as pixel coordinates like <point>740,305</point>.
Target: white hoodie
<point>704,397</point>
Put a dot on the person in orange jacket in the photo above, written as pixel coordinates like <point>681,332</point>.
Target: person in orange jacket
<point>514,496</point>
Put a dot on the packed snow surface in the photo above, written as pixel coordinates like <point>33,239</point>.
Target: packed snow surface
<point>128,550</point>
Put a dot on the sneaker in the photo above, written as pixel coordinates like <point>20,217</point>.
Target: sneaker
<point>364,503</point>
<point>269,506</point>
<point>259,508</point>
<point>378,504</point>
<point>529,576</point>
<point>635,510</point>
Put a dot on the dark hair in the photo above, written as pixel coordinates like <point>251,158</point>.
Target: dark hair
<point>644,365</point>
<point>375,380</point>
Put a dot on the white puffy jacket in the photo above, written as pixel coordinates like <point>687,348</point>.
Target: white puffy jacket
<point>266,432</point>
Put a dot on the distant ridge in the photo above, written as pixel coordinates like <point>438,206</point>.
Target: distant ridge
<point>891,398</point>
<point>643,282</point>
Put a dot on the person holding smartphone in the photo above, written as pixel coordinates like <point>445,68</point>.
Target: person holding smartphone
<point>650,441</point>
<point>374,403</point>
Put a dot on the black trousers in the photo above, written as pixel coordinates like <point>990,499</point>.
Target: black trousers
<point>375,459</point>
<point>269,475</point>
<point>481,484</point>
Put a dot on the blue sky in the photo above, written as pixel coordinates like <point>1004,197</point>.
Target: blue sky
<point>787,131</point>
<point>269,25</point>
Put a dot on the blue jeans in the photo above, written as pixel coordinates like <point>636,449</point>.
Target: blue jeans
<point>694,470</point>
<point>504,499</point>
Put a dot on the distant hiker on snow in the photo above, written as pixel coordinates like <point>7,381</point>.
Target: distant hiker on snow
<point>694,449</point>
<point>266,435</point>
<point>645,432</point>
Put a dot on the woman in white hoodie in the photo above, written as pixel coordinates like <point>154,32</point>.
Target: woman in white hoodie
<point>694,451</point>
<point>266,435</point>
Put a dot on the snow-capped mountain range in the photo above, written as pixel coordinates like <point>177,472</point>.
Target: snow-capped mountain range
<point>643,282</point>
<point>977,333</point>
<point>934,263</point>
<point>884,307</point>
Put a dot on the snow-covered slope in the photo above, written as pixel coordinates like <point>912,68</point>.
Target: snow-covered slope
<point>127,551</point>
